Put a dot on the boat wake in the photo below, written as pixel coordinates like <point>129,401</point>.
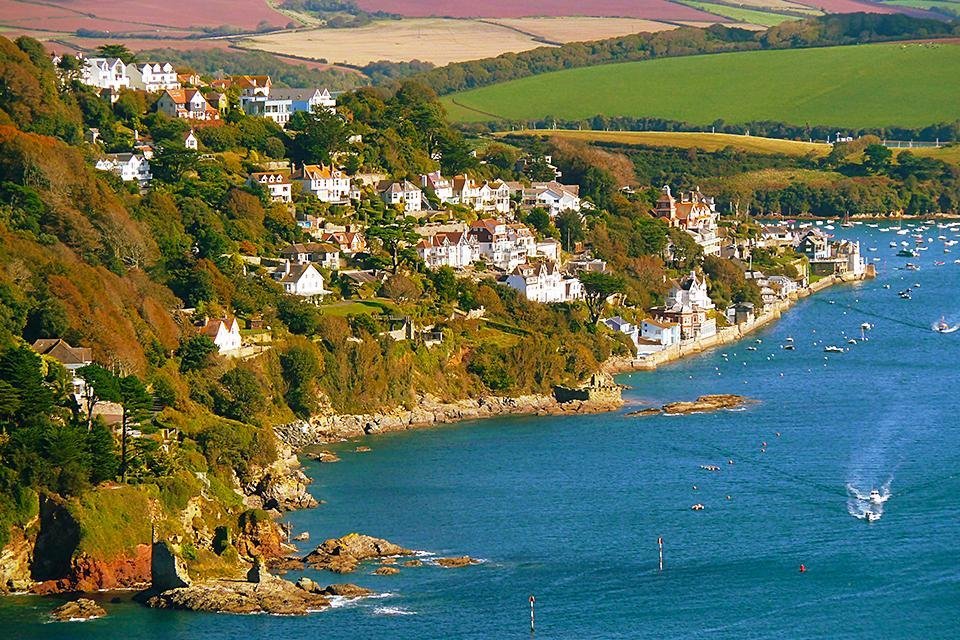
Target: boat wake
<point>868,505</point>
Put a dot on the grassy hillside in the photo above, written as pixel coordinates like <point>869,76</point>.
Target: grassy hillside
<point>853,86</point>
<point>740,14</point>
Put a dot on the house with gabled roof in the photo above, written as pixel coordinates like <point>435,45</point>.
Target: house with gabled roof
<point>129,167</point>
<point>543,281</point>
<point>300,279</point>
<point>225,333</point>
<point>403,193</point>
<point>693,212</point>
<point>277,183</point>
<point>328,184</point>
<point>350,242</point>
<point>323,253</point>
<point>105,73</point>
<point>152,76</point>
<point>186,103</point>
<point>447,248</point>
<point>441,186</point>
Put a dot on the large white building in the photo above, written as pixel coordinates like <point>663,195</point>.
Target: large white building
<point>502,245</point>
<point>441,186</point>
<point>544,282</point>
<point>691,291</point>
<point>186,103</point>
<point>300,279</point>
<point>152,76</point>
<point>449,248</point>
<point>552,196</point>
<point>105,73</point>
<point>277,184</point>
<point>129,166</point>
<point>328,184</point>
<point>403,193</point>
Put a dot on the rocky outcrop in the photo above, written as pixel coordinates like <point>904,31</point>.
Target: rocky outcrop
<point>386,571</point>
<point>276,596</point>
<point>166,569</point>
<point>15,560</point>
<point>430,411</point>
<point>78,611</point>
<point>452,563</point>
<point>258,536</point>
<point>702,404</point>
<point>347,590</point>
<point>87,573</point>
<point>280,486</point>
<point>343,555</point>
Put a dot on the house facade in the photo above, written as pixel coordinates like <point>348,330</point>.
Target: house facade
<point>660,331</point>
<point>152,76</point>
<point>486,197</point>
<point>225,333</point>
<point>300,279</point>
<point>186,103</point>
<point>105,73</point>
<point>277,184</point>
<point>552,196</point>
<point>405,194</point>
<point>190,141</point>
<point>693,212</point>
<point>441,186</point>
<point>690,291</point>
<point>328,184</point>
<point>451,249</point>
<point>323,253</point>
<point>502,245</point>
<point>544,282</point>
<point>129,166</point>
<point>72,359</point>
<point>350,242</point>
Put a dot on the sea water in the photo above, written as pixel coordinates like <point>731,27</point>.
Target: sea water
<point>570,509</point>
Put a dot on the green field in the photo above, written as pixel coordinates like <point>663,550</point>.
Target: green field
<point>752,16</point>
<point>952,5</point>
<point>904,84</point>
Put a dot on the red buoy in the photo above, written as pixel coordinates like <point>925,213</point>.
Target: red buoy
<point>803,568</point>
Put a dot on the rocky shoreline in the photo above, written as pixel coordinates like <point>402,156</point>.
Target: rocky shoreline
<point>703,404</point>
<point>431,411</point>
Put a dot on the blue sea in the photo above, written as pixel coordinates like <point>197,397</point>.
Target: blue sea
<point>570,509</point>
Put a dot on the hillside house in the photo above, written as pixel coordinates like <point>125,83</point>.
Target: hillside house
<point>815,244</point>
<point>186,103</point>
<point>277,184</point>
<point>451,249</point>
<point>323,253</point>
<point>694,213</point>
<point>691,290</point>
<point>72,359</point>
<point>401,194</point>
<point>503,246</point>
<point>105,73</point>
<point>225,333</point>
<point>190,141</point>
<point>658,334</point>
<point>441,186</point>
<point>552,196</point>
<point>129,166</point>
<point>300,280</point>
<point>328,184</point>
<point>152,76</point>
<point>544,282</point>
<point>486,197</point>
<point>350,242</point>
<point>279,104</point>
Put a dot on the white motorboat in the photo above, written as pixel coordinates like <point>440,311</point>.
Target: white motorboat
<point>870,516</point>
<point>833,349</point>
<point>875,497</point>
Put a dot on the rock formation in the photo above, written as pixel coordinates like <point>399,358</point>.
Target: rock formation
<point>451,563</point>
<point>78,611</point>
<point>275,596</point>
<point>166,569</point>
<point>702,404</point>
<point>343,555</point>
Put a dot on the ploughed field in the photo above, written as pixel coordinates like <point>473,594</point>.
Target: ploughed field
<point>854,86</point>
<point>650,9</point>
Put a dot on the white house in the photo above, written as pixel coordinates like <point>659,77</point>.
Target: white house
<point>502,245</point>
<point>783,285</point>
<point>72,359</point>
<point>691,291</point>
<point>549,249</point>
<point>128,166</point>
<point>326,183</point>
<point>276,183</point>
<point>552,196</point>
<point>300,279</point>
<point>105,73</point>
<point>225,333</point>
<point>543,282</point>
<point>450,248</point>
<point>487,197</point>
<point>152,76</point>
<point>186,103</point>
<point>441,186</point>
<point>403,193</point>
<point>190,140</point>
<point>659,331</point>
<point>259,98</point>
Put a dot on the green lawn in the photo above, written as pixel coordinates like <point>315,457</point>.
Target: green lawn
<point>905,84</point>
<point>356,307</point>
<point>753,16</point>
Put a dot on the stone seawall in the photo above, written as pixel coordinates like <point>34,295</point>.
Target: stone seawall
<point>430,411</point>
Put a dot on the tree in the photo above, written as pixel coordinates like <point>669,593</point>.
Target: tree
<point>172,161</point>
<point>136,403</point>
<point>597,287</point>
<point>570,227</point>
<point>48,319</point>
<point>877,158</point>
<point>444,283</point>
<point>195,353</point>
<point>301,365</point>
<point>240,396</point>
<point>117,51</point>
<point>102,449</point>
<point>400,288</point>
<point>539,219</point>
<point>318,135</point>
<point>99,385</point>
<point>394,237</point>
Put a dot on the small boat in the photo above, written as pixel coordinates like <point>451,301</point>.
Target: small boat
<point>893,245</point>
<point>911,267</point>
<point>697,507</point>
<point>852,341</point>
<point>870,516</point>
<point>788,347</point>
<point>875,497</point>
<point>833,349</point>
<point>907,253</point>
<point>905,295</point>
<point>751,348</point>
